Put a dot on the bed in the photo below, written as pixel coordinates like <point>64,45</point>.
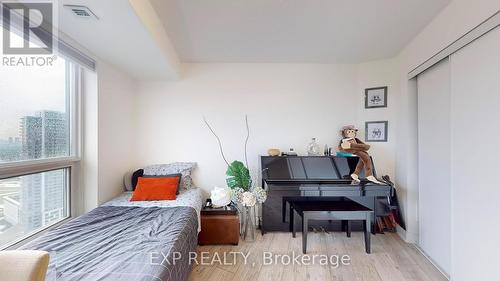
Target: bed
<point>123,240</point>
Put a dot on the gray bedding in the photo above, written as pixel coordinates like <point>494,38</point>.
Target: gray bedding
<point>122,243</point>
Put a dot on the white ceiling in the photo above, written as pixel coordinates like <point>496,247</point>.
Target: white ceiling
<point>313,31</point>
<point>118,37</point>
<point>148,38</point>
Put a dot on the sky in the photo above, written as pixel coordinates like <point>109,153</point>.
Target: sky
<point>26,90</point>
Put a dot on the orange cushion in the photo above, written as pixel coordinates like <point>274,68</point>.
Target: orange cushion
<point>150,189</point>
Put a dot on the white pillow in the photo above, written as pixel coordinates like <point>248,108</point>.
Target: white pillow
<point>127,181</point>
<point>184,168</point>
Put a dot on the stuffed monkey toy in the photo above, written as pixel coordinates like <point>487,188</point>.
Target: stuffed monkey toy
<point>353,145</point>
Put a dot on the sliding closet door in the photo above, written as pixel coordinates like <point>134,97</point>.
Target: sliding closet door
<point>434,163</point>
<point>475,147</point>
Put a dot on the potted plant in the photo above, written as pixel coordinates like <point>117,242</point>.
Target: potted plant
<point>239,180</point>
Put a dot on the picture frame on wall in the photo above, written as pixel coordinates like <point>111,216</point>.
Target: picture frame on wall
<point>376,97</point>
<point>376,131</point>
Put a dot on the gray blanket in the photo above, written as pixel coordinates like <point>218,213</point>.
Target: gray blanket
<point>122,243</point>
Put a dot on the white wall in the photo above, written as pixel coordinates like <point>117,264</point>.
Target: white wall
<point>455,20</point>
<point>108,134</point>
<point>376,74</point>
<point>287,104</point>
<point>116,129</point>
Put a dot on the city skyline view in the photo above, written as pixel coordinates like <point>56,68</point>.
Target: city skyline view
<point>44,134</point>
<point>30,202</point>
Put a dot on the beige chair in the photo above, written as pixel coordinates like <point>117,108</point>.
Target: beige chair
<point>23,265</point>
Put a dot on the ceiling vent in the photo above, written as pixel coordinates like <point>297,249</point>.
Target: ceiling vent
<point>81,11</point>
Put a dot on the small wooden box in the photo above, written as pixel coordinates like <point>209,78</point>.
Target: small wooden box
<point>219,227</point>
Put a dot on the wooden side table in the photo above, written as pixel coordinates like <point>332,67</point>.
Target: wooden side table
<point>219,226</point>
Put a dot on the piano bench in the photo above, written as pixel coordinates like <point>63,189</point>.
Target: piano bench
<point>346,210</point>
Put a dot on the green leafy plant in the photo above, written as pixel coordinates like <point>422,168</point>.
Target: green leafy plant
<point>238,176</point>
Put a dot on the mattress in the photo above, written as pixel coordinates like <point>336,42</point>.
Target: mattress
<point>187,198</point>
<point>122,243</point>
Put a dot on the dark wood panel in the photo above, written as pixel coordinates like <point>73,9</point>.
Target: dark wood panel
<point>297,168</point>
<point>272,208</point>
<point>319,168</point>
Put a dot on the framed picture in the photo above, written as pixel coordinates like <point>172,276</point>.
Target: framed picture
<point>376,131</point>
<point>376,97</point>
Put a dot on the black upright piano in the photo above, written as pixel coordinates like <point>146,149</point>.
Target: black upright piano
<point>316,178</point>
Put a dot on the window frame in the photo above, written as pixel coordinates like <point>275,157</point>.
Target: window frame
<point>14,244</point>
<point>70,162</point>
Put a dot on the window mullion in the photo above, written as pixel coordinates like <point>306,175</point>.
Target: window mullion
<point>35,166</point>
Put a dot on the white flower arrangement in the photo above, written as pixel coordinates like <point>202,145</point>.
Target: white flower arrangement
<point>249,198</point>
<point>237,195</point>
<point>260,194</point>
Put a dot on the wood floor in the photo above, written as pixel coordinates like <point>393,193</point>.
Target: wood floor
<point>391,259</point>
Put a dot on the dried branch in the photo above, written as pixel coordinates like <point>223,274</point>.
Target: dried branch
<point>246,141</point>
<point>218,140</point>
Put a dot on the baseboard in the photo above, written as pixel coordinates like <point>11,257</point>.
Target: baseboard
<point>408,237</point>
<point>432,261</point>
<point>412,238</point>
<point>401,232</point>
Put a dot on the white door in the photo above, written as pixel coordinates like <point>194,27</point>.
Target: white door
<point>434,164</point>
<point>475,148</point>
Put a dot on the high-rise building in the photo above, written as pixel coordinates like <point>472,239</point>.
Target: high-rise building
<point>54,134</point>
<point>44,135</point>
<point>10,150</point>
<point>31,202</point>
<point>31,137</point>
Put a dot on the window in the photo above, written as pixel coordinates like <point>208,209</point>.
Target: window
<point>31,203</point>
<point>39,146</point>
<point>34,112</point>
